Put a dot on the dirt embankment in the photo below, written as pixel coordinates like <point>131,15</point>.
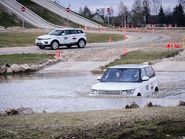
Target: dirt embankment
<point>134,123</point>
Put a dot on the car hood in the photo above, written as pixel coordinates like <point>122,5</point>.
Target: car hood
<point>45,36</point>
<point>115,86</point>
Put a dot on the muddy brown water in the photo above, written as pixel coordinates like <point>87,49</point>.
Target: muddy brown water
<point>69,92</point>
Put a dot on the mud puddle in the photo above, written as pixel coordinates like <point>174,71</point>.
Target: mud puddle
<point>69,91</point>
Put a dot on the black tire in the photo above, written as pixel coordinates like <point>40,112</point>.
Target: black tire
<point>139,94</point>
<point>156,90</point>
<point>54,45</point>
<point>81,43</point>
<point>42,47</point>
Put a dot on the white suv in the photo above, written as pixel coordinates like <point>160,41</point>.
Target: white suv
<point>127,80</point>
<point>62,37</point>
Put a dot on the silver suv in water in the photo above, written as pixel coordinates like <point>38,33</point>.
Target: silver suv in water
<point>127,80</point>
<point>62,37</point>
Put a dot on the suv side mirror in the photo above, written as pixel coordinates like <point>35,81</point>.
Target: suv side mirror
<point>145,78</point>
<point>62,34</point>
<point>99,78</point>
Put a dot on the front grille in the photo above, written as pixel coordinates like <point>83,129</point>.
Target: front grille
<point>108,92</point>
<point>39,39</point>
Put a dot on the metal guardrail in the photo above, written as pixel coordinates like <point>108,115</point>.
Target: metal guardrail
<point>17,13</point>
<point>29,12</point>
<point>27,9</point>
<point>49,2</point>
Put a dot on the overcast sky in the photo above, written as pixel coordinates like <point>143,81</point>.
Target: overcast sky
<point>94,4</point>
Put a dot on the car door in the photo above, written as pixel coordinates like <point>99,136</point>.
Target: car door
<point>62,37</point>
<point>67,37</point>
<point>152,81</point>
<point>145,85</point>
<point>74,36</point>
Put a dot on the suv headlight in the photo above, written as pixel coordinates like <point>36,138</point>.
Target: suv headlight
<point>131,91</point>
<point>46,38</point>
<point>43,38</point>
<point>94,91</point>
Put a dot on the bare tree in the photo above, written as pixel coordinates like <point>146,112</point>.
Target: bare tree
<point>137,10</point>
<point>146,9</point>
<point>155,6</point>
<point>137,6</point>
<point>81,11</point>
<point>123,14</point>
<point>182,2</point>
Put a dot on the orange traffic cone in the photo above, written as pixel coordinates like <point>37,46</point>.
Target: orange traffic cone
<point>125,51</point>
<point>125,37</point>
<point>176,45</point>
<point>57,54</point>
<point>168,45</point>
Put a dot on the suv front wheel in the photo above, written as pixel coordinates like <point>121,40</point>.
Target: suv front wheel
<point>81,43</point>
<point>42,47</point>
<point>54,45</point>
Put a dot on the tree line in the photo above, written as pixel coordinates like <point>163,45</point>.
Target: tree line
<point>144,12</point>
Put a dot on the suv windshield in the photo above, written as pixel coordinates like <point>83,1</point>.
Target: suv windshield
<point>121,75</point>
<point>56,32</point>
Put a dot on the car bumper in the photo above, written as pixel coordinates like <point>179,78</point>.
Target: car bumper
<point>42,43</point>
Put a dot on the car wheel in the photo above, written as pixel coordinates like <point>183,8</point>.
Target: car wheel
<point>81,43</point>
<point>139,94</point>
<point>54,45</point>
<point>156,90</point>
<point>42,47</point>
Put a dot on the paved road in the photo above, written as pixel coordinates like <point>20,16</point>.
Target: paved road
<point>28,15</point>
<point>134,40</point>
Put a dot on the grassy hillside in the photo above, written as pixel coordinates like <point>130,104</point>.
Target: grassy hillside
<point>9,20</point>
<point>46,14</point>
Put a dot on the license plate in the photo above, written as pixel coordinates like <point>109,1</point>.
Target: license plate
<point>38,41</point>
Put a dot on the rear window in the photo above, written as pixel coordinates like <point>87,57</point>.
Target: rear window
<point>149,72</point>
<point>80,31</point>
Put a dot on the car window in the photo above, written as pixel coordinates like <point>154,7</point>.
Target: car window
<point>67,32</point>
<point>56,32</point>
<point>143,73</point>
<point>149,72</point>
<point>121,75</point>
<point>73,32</point>
<point>80,31</point>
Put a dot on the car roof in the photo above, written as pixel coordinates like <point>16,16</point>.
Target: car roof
<point>130,66</point>
<point>68,29</point>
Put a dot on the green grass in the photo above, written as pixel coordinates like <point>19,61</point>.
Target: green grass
<point>22,39</point>
<point>138,57</point>
<point>25,58</point>
<point>147,123</point>
<point>17,39</point>
<point>93,37</point>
